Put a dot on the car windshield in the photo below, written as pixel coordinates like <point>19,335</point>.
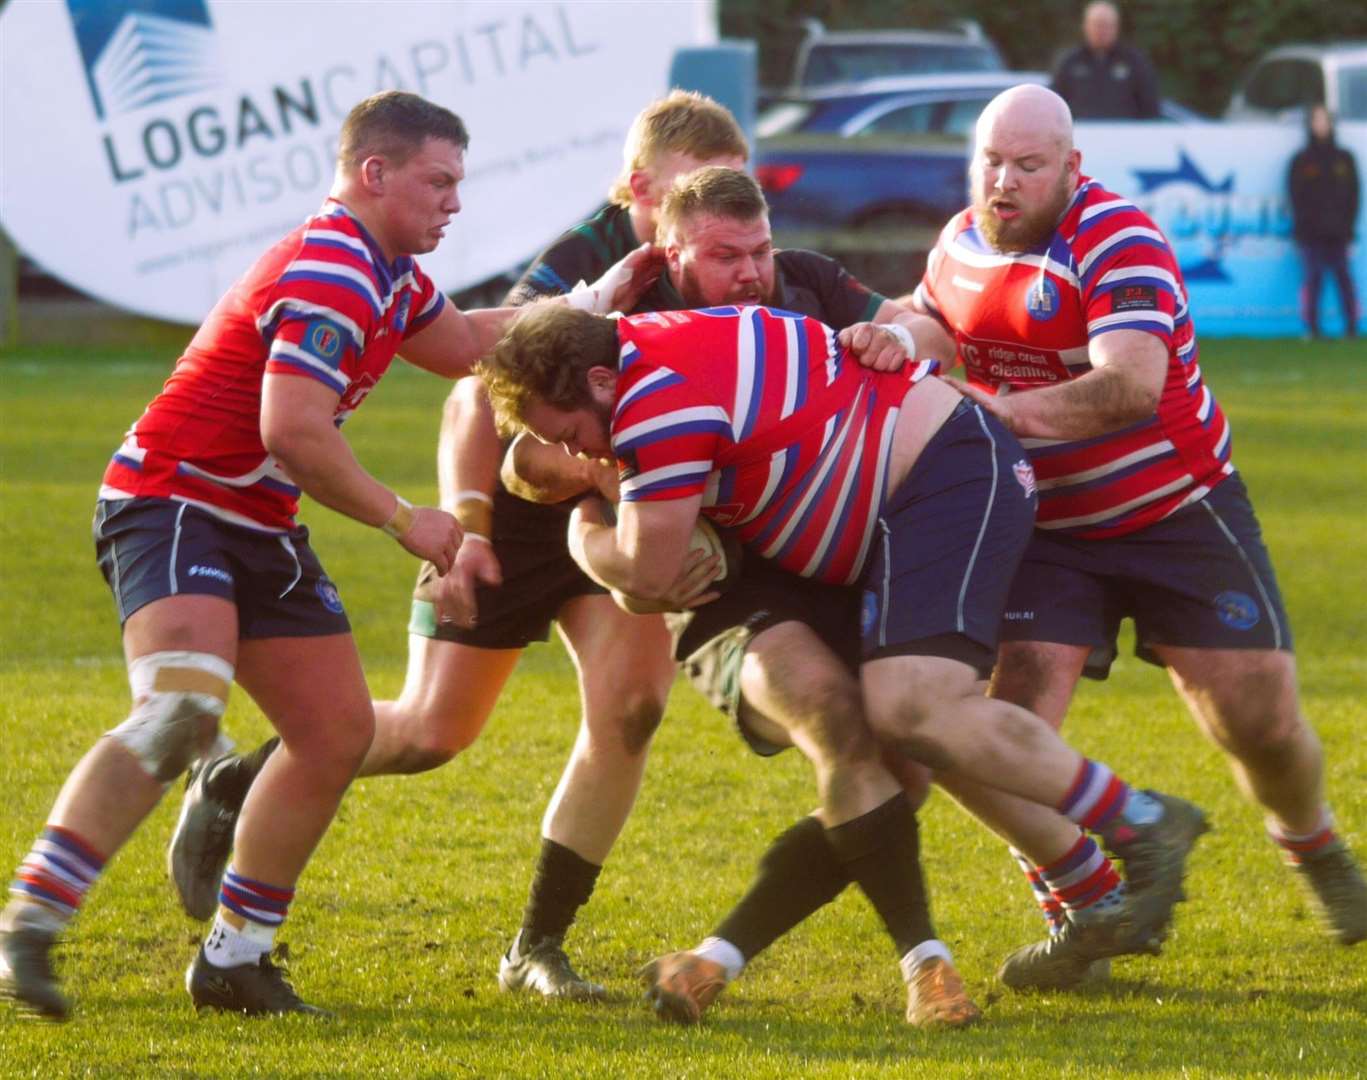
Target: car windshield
<point>1353,93</point>
<point>827,64</point>
<point>782,118</point>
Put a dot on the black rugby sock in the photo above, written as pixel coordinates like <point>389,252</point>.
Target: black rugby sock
<point>881,851</point>
<point>562,884</point>
<point>798,875</point>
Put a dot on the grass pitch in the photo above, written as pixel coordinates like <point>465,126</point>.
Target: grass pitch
<point>419,886</point>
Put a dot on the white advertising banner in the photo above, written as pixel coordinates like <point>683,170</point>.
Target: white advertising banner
<point>151,149</point>
<point>1218,192</point>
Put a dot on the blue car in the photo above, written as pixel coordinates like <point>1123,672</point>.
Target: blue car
<point>882,157</point>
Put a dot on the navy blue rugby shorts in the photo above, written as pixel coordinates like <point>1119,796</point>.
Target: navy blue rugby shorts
<point>149,549</point>
<point>1201,578</point>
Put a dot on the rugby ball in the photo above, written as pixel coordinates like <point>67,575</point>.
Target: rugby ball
<point>721,542</point>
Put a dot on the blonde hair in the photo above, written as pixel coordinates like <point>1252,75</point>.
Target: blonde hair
<point>545,355</point>
<point>683,122</point>
<point>713,189</point>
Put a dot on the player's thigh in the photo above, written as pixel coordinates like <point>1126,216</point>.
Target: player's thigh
<point>313,691</point>
<point>624,664</point>
<point>1039,675</point>
<point>452,688</point>
<point>1239,696</point>
<point>184,623</point>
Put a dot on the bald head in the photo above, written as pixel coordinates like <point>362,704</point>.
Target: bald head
<point>1027,112</point>
<point>1024,169</point>
<point>1100,25</point>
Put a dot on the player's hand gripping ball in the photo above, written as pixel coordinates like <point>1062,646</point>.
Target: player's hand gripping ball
<point>721,542</point>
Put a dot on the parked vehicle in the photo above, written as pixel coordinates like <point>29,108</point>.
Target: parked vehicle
<point>827,59</point>
<point>879,155</point>
<point>1286,80</point>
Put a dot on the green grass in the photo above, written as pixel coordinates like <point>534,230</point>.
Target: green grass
<point>408,903</point>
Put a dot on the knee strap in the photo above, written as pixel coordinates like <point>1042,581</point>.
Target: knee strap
<point>178,698</point>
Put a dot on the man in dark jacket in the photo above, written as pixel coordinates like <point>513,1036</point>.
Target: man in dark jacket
<point>1323,181</point>
<point>1103,78</point>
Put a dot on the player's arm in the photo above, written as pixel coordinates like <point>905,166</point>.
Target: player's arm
<point>898,334</point>
<point>297,429</point>
<point>644,554</point>
<point>547,473</point>
<point>1124,387</point>
<point>455,339</point>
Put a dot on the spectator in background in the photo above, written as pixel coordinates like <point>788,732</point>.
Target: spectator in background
<point>1323,181</point>
<point>1103,78</point>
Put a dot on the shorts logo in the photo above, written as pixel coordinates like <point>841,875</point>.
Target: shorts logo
<point>327,592</point>
<point>1025,476</point>
<point>868,613</point>
<point>324,340</point>
<point>1041,300</point>
<point>1237,610</point>
<point>1018,616</point>
<point>214,572</point>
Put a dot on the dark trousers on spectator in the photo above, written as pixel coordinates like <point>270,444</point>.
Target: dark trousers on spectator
<point>1320,256</point>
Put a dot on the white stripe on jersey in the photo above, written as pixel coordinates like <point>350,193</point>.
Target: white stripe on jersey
<point>992,260</point>
<point>665,472</point>
<point>130,448</point>
<point>336,236</point>
<point>1116,511</point>
<point>231,517</point>
<point>1106,207</point>
<point>837,518</point>
<point>1223,442</point>
<point>1203,410</point>
<point>287,351</point>
<point>829,455</point>
<point>1132,458</point>
<point>832,351</point>
<point>693,413</point>
<point>641,387</point>
<point>397,286</point>
<point>1118,237</point>
<point>269,467</point>
<point>1122,273</point>
<point>318,266</point>
<point>1162,318</point>
<point>745,371</point>
<point>777,463</point>
<point>308,308</point>
<point>879,483</point>
<point>794,358</point>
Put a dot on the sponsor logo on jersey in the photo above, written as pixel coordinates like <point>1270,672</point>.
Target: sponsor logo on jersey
<point>401,313</point>
<point>1041,300</point>
<point>218,574</point>
<point>1134,298</point>
<point>324,340</point>
<point>327,593</point>
<point>1237,610</point>
<point>1025,476</point>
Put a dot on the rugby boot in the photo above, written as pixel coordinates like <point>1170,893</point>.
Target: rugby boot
<point>1078,955</point>
<point>26,972</point>
<point>203,839</point>
<point>680,985</point>
<point>936,997</point>
<point>260,989</point>
<point>545,969</point>
<point>1336,890</point>
<point>1155,856</point>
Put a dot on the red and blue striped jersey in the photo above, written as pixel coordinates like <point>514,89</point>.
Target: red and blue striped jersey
<point>760,411</point>
<point>323,303</point>
<point>1024,320</point>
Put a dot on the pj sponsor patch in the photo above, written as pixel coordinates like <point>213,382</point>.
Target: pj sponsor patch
<point>1134,298</point>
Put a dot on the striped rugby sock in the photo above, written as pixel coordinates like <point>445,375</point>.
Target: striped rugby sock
<point>1296,848</point>
<point>1097,797</point>
<point>1083,878</point>
<point>249,914</point>
<point>1050,907</point>
<point>57,872</point>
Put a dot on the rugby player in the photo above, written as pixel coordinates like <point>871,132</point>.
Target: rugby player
<point>1064,293</point>
<point>512,577</point>
<point>215,581</point>
<point>758,419</point>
